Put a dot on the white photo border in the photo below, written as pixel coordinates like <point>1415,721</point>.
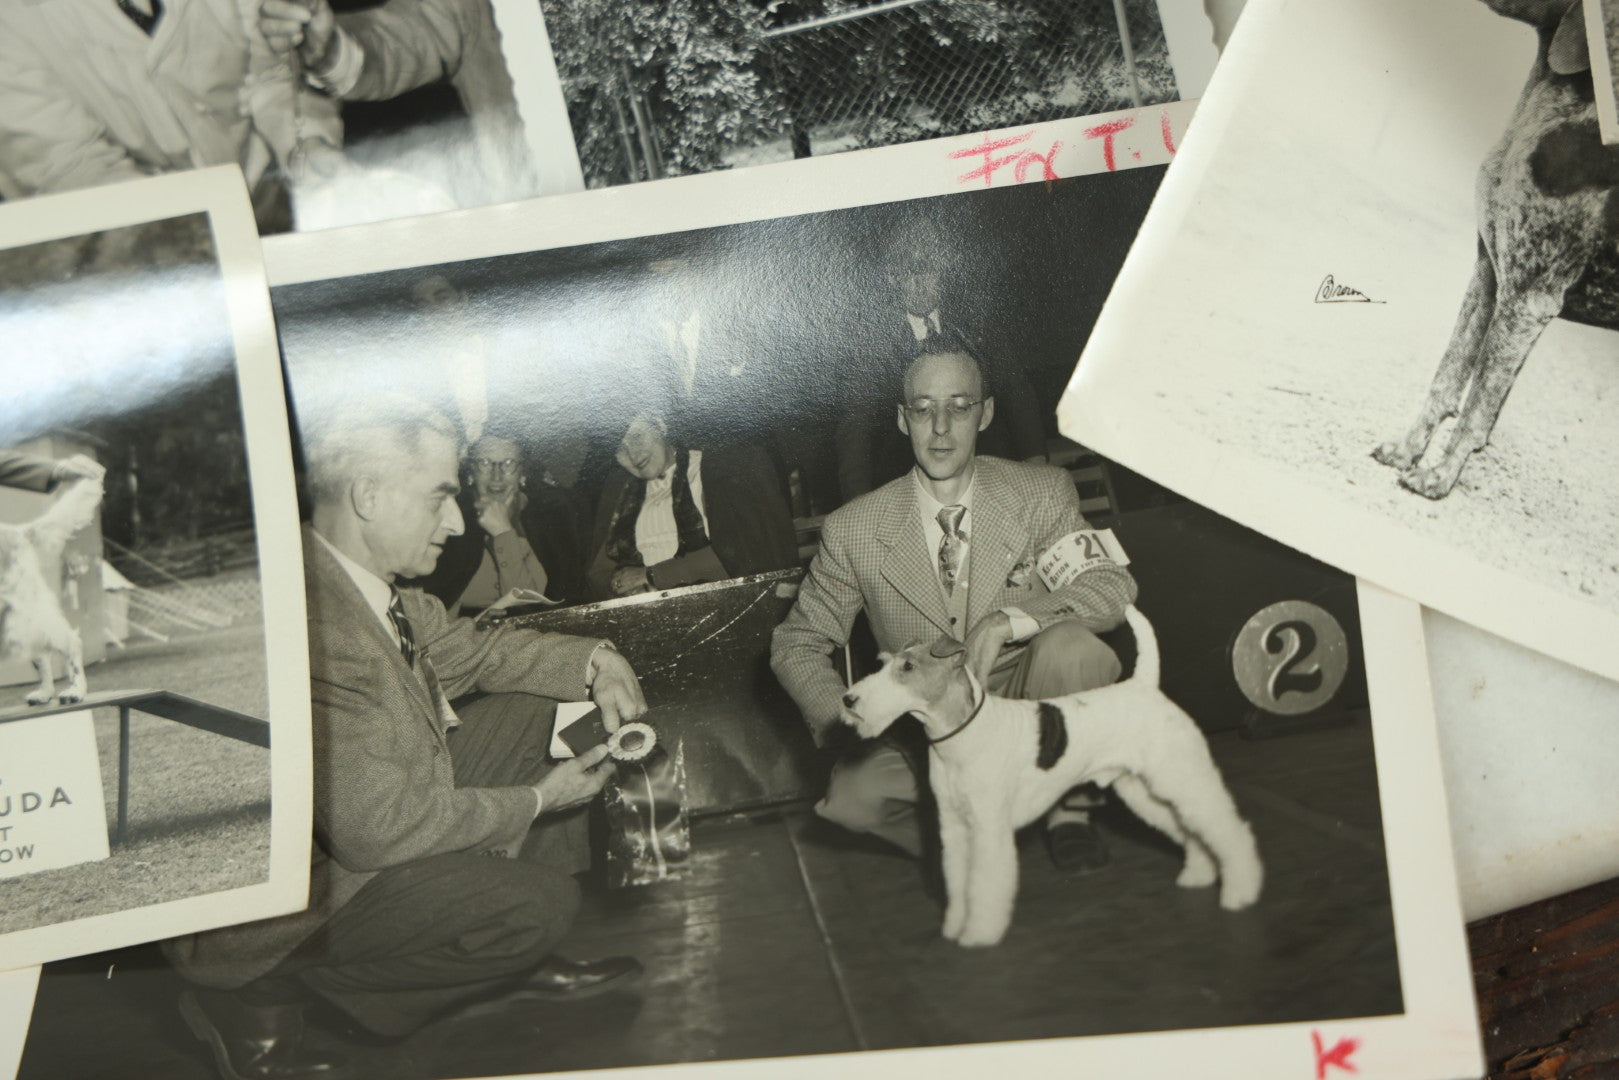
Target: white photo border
<point>220,193</point>
<point>1602,73</point>
<point>1102,408</point>
<point>526,46</point>
<point>1437,1035</point>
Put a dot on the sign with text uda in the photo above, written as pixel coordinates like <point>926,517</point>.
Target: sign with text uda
<point>51,812</point>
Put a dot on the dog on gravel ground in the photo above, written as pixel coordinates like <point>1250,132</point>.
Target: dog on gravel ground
<point>32,623</point>
<point>1548,246</point>
<point>997,764</point>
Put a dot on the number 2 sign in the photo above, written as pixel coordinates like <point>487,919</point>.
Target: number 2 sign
<point>1290,658</point>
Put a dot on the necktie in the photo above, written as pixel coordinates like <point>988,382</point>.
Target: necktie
<point>147,23</point>
<point>952,546</point>
<point>407,639</point>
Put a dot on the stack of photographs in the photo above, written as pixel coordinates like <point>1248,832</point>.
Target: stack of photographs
<point>490,627</point>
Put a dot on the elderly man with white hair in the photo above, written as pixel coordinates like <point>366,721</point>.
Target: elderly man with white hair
<point>445,845</point>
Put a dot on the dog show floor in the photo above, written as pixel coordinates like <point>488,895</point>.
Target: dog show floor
<point>789,936</point>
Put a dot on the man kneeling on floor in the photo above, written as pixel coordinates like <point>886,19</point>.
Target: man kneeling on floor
<point>445,845</point>
<point>950,548</point>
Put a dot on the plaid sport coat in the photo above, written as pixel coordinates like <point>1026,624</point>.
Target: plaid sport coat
<point>873,558</point>
<point>384,790</point>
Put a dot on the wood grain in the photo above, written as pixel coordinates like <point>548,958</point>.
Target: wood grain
<point>1547,977</point>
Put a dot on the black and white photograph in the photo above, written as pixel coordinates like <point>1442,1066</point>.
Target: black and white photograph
<point>337,111</point>
<point>1428,403</point>
<point>659,90</point>
<point>136,652</point>
<point>623,560</point>
<point>1602,33</point>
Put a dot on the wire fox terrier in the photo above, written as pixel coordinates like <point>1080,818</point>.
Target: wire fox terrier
<point>996,764</point>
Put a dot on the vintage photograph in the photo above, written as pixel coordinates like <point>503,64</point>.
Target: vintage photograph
<point>1602,33</point>
<point>1402,355</point>
<point>135,665</point>
<point>690,87</point>
<point>337,111</point>
<point>745,497</point>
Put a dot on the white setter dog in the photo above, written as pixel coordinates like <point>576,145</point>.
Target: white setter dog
<point>32,623</point>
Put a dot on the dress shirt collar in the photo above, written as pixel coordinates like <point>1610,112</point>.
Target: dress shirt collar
<point>923,325</point>
<point>377,593</point>
<point>928,507</point>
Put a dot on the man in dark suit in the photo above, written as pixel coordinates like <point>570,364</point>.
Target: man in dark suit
<point>674,515</point>
<point>922,317</point>
<point>950,548</point>
<point>445,845</point>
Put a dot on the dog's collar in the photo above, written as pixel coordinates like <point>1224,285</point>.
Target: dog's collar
<point>983,695</point>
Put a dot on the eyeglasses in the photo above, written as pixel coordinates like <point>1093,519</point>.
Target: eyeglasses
<point>505,466</point>
<point>956,408</point>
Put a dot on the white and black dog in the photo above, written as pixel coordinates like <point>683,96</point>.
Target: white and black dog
<point>32,623</point>
<point>996,764</point>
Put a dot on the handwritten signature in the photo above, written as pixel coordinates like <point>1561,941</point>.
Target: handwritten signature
<point>1331,292</point>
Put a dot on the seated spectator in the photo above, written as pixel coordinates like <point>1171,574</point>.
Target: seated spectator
<point>673,515</point>
<point>518,536</point>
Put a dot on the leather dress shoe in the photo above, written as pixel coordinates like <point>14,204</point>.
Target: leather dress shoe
<point>1076,846</point>
<point>256,1042</point>
<point>558,979</point>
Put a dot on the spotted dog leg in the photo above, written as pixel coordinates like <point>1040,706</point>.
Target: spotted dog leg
<point>1456,369</point>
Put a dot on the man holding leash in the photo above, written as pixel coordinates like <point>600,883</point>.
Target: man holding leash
<point>445,844</point>
<point>950,549</point>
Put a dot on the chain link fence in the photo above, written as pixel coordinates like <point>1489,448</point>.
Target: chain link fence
<point>916,69</point>
<point>657,89</point>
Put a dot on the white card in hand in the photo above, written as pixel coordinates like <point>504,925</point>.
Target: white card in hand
<point>568,713</point>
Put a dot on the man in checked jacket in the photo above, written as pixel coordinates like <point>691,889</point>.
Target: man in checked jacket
<point>949,548</point>
<point>445,844</point>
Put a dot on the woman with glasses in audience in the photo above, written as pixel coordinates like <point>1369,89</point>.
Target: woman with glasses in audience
<point>674,515</point>
<point>518,535</point>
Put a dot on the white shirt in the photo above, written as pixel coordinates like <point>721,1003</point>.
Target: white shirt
<point>927,510</point>
<point>657,537</point>
<point>923,325</point>
<point>378,593</point>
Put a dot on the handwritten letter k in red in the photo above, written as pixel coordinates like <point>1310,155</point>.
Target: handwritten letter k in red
<point>1338,1055</point>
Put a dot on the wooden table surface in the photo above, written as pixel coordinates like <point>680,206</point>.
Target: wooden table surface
<point>1547,977</point>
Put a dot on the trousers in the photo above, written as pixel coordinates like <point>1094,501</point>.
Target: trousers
<point>425,936</point>
<point>876,790</point>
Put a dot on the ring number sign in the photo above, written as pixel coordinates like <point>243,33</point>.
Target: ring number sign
<point>1290,658</point>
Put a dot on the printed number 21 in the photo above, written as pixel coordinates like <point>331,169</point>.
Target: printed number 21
<point>1295,642</point>
<point>1090,548</point>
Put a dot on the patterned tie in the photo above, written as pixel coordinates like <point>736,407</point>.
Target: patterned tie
<point>407,639</point>
<point>952,546</point>
<point>147,23</point>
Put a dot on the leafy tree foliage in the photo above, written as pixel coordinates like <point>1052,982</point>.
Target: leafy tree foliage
<point>685,85</point>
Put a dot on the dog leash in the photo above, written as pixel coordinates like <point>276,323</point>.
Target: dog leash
<point>983,696</point>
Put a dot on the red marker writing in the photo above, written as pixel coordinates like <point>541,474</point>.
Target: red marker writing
<point>994,160</point>
<point>1105,132</point>
<point>1338,1055</point>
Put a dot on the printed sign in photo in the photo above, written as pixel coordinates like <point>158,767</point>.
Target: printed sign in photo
<point>149,632</point>
<point>51,812</point>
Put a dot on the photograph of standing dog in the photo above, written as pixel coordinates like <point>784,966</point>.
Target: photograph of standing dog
<point>32,623</point>
<point>996,764</point>
<point>1443,250</point>
<point>1548,247</point>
